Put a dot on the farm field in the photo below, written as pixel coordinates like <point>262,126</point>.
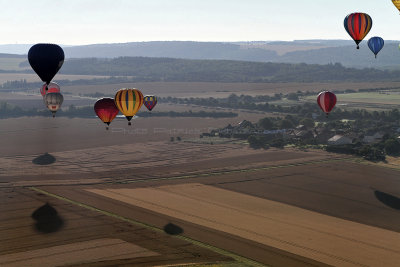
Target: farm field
<point>4,77</point>
<point>228,204</point>
<point>82,237</point>
<point>219,90</point>
<point>388,98</point>
<point>281,207</point>
<point>68,134</point>
<point>12,63</point>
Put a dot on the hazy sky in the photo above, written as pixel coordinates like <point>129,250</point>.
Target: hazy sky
<point>111,21</point>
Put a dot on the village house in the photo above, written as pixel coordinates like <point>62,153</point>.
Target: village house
<point>340,140</point>
<point>372,138</point>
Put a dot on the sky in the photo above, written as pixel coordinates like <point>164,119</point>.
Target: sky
<point>74,22</point>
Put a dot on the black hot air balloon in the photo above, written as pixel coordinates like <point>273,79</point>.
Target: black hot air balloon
<point>46,60</point>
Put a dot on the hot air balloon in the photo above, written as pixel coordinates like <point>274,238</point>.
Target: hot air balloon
<point>326,101</point>
<point>376,44</point>
<point>106,110</point>
<point>357,26</point>
<point>150,101</point>
<point>50,88</point>
<point>53,102</point>
<point>396,3</point>
<point>128,101</point>
<point>46,60</point>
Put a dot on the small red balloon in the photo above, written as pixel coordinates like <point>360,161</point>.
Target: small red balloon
<point>326,101</point>
<point>106,110</point>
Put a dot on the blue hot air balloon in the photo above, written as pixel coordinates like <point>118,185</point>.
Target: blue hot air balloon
<point>376,44</point>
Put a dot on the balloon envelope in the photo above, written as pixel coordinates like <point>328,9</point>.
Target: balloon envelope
<point>106,110</point>
<point>326,101</point>
<point>376,44</point>
<point>396,3</point>
<point>358,26</point>
<point>150,101</point>
<point>53,101</point>
<point>50,88</point>
<point>46,60</point>
<point>128,101</point>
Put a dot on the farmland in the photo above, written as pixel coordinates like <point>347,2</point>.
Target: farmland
<point>31,77</point>
<point>228,204</point>
<point>218,90</point>
<point>155,183</point>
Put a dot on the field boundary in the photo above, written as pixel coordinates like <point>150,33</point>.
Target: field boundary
<point>237,258</point>
<point>222,172</point>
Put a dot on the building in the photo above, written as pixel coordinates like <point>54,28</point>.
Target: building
<point>372,138</point>
<point>340,140</point>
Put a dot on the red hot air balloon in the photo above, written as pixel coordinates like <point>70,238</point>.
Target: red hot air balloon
<point>358,26</point>
<point>326,101</point>
<point>51,88</point>
<point>106,110</point>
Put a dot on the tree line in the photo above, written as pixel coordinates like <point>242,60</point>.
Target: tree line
<point>11,111</point>
<point>145,69</point>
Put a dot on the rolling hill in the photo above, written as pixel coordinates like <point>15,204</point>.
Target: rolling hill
<point>301,51</point>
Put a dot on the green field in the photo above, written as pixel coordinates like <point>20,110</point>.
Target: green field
<point>390,98</point>
<point>369,100</point>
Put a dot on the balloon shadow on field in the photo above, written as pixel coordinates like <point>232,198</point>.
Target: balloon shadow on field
<point>387,199</point>
<point>45,159</point>
<point>47,219</point>
<point>173,229</point>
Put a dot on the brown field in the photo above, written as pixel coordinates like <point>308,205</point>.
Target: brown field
<point>37,135</point>
<point>85,237</point>
<point>4,77</point>
<point>114,189</point>
<point>204,89</point>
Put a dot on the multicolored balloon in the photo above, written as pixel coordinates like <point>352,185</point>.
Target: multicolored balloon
<point>326,101</point>
<point>358,26</point>
<point>49,88</point>
<point>46,60</point>
<point>376,44</point>
<point>106,110</point>
<point>150,101</point>
<point>53,102</point>
<point>128,101</point>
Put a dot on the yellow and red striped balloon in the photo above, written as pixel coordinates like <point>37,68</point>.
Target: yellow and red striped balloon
<point>128,101</point>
